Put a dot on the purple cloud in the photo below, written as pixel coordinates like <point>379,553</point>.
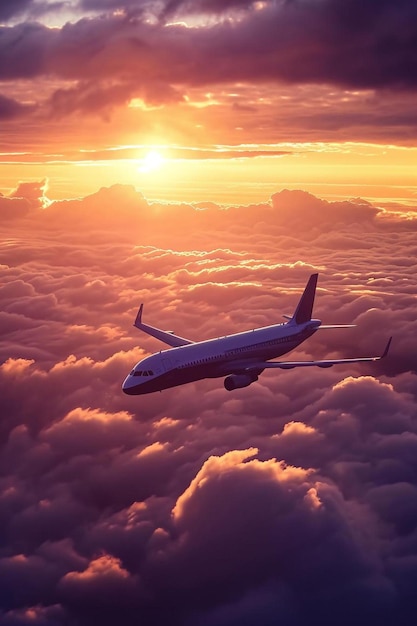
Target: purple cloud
<point>362,45</point>
<point>292,499</point>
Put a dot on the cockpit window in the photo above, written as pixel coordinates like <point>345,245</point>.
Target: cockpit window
<point>141,373</point>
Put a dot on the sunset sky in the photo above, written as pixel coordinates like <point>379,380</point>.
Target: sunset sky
<point>236,97</point>
<point>205,157</point>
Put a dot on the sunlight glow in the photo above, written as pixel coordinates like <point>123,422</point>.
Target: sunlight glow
<point>152,161</point>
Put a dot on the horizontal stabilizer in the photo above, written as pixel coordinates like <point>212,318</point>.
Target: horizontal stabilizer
<point>330,326</point>
<point>167,337</point>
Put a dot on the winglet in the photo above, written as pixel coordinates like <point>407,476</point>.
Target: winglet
<point>167,337</point>
<point>387,347</point>
<point>138,319</point>
<point>304,309</point>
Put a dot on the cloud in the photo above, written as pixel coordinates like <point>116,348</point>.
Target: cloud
<point>300,206</point>
<point>291,42</point>
<point>9,8</point>
<point>87,97</point>
<point>230,501</point>
<point>216,7</point>
<point>34,193</point>
<point>29,9</point>
<point>211,74</point>
<point>41,616</point>
<point>10,108</point>
<point>10,209</point>
<point>292,499</point>
<point>105,587</point>
<point>24,50</point>
<point>26,198</point>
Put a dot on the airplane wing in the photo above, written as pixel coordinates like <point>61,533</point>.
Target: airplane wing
<point>163,335</point>
<point>286,365</point>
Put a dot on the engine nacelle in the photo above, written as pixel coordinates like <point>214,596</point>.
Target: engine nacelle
<point>237,381</point>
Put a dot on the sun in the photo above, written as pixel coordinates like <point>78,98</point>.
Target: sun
<point>152,161</point>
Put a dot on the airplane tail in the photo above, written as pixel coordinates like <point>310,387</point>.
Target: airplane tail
<point>304,309</point>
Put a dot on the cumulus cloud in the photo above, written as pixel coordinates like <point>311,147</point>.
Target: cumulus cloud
<point>34,193</point>
<point>292,499</point>
<point>25,198</point>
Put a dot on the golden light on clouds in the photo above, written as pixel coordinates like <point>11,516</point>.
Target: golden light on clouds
<point>205,157</point>
<point>227,174</point>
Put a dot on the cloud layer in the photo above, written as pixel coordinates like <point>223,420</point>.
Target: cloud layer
<point>292,500</point>
<point>357,44</point>
<point>161,52</point>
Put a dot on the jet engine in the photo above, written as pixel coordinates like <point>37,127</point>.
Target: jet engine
<point>237,381</point>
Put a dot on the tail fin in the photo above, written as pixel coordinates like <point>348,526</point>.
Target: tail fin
<point>304,309</point>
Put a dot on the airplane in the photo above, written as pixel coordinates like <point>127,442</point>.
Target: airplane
<point>240,357</point>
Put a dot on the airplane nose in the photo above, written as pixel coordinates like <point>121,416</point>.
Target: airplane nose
<point>128,386</point>
<point>128,390</point>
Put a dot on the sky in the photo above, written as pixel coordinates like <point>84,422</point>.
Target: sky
<point>236,98</point>
<point>205,158</point>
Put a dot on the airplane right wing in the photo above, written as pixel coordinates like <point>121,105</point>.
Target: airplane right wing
<point>163,335</point>
<point>286,365</point>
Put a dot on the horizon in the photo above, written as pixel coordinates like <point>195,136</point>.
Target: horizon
<point>228,106</point>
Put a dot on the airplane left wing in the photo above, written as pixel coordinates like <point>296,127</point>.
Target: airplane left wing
<point>286,365</point>
<point>163,335</point>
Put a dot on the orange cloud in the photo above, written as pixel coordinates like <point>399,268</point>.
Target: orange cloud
<point>137,502</point>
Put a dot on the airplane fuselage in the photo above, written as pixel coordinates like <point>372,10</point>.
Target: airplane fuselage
<point>213,358</point>
<point>240,357</point>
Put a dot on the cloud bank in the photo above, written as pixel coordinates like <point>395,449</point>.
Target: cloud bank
<point>122,53</point>
<point>291,501</point>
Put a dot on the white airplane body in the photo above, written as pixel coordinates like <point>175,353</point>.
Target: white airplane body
<point>240,357</point>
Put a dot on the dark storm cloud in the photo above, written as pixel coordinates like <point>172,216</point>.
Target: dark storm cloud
<point>204,6</point>
<point>291,500</point>
<point>90,97</point>
<point>11,109</point>
<point>33,9</point>
<point>132,7</point>
<point>10,8</point>
<point>357,44</point>
<point>167,8</point>
<point>23,50</point>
